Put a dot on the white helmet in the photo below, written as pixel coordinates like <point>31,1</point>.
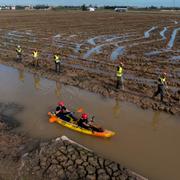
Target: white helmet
<point>18,46</point>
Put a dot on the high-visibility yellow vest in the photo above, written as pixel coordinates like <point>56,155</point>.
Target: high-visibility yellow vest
<point>163,80</point>
<point>19,50</point>
<point>56,58</point>
<point>35,54</point>
<point>119,73</point>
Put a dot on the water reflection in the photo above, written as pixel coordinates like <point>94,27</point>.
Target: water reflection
<point>36,81</point>
<point>116,109</point>
<point>21,74</point>
<point>155,120</point>
<point>58,89</point>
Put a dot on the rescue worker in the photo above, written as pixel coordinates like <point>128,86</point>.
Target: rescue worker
<point>19,53</point>
<point>35,55</point>
<point>83,121</point>
<point>86,124</point>
<point>161,86</point>
<point>63,113</point>
<point>57,62</point>
<point>119,75</point>
<point>62,106</point>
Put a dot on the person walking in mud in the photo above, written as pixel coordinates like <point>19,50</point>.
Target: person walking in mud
<point>35,55</point>
<point>161,86</point>
<point>19,53</point>
<point>57,61</point>
<point>119,75</point>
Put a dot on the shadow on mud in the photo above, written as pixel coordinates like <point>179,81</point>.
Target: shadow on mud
<point>7,114</point>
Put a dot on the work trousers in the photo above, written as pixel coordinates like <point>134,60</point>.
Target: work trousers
<point>19,57</point>
<point>160,90</point>
<point>119,83</point>
<point>57,67</point>
<point>36,62</point>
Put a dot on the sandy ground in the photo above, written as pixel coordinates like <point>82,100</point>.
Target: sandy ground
<point>92,44</point>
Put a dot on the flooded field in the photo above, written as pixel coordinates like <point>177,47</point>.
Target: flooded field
<point>92,44</point>
<point>145,141</point>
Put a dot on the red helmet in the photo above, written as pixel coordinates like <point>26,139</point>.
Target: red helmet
<point>61,103</point>
<point>84,116</point>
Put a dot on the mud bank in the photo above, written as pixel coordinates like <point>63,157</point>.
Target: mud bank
<point>139,93</point>
<point>63,159</point>
<point>12,145</point>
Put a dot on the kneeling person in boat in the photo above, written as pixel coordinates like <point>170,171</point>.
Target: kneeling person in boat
<point>86,124</point>
<point>63,113</point>
<point>83,121</point>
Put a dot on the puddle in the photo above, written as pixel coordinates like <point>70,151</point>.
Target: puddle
<point>147,33</point>
<point>162,33</point>
<point>175,58</point>
<point>91,41</point>
<point>19,36</point>
<point>152,53</point>
<point>117,52</point>
<point>57,36</point>
<point>101,38</point>
<point>173,37</point>
<point>72,36</point>
<point>77,48</point>
<point>175,22</point>
<point>96,50</point>
<point>145,141</point>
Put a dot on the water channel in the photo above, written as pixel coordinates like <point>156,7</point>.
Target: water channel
<point>146,142</point>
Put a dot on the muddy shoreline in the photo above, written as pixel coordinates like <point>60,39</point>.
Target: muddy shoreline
<point>102,85</point>
<point>60,158</point>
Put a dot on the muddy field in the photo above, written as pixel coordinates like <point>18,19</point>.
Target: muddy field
<point>92,44</point>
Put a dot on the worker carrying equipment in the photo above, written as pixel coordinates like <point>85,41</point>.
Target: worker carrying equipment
<point>119,75</point>
<point>161,86</point>
<point>19,53</point>
<point>57,61</point>
<point>35,55</point>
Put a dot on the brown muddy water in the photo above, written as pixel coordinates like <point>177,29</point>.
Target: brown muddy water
<point>146,142</point>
